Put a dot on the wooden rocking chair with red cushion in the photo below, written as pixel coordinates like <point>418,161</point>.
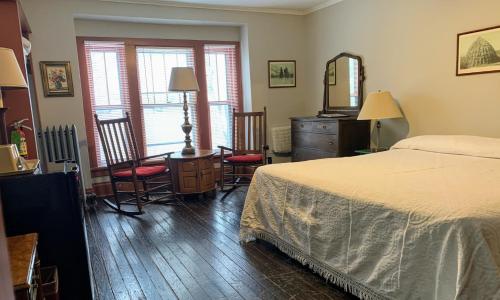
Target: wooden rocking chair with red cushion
<point>248,152</point>
<point>126,166</point>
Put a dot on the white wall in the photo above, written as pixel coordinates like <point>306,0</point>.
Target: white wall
<point>409,48</point>
<point>266,36</point>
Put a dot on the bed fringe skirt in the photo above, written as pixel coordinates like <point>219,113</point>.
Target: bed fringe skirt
<point>337,278</point>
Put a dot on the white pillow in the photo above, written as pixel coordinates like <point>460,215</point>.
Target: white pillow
<point>453,144</point>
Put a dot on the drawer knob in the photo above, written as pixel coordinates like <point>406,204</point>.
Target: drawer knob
<point>330,143</point>
<point>324,126</point>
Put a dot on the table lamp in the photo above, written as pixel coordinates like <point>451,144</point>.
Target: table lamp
<point>183,79</point>
<point>378,106</point>
<point>11,77</point>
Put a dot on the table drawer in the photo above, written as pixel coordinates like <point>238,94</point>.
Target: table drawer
<point>189,166</point>
<point>206,164</point>
<point>323,142</point>
<point>301,154</point>
<point>325,127</point>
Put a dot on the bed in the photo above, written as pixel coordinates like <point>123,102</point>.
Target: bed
<point>420,221</point>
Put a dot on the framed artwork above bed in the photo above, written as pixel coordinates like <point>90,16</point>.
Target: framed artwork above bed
<point>478,51</point>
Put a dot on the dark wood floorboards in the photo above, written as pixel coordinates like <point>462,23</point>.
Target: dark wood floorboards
<point>191,251</point>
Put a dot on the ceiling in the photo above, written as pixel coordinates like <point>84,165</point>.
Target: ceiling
<point>299,7</point>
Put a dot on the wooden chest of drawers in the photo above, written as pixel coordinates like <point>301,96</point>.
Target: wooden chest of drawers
<point>314,138</point>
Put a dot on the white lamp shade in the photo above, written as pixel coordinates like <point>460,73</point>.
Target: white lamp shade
<point>183,80</point>
<point>11,75</point>
<point>378,106</point>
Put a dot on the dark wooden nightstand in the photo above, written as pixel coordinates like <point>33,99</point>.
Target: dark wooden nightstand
<point>193,173</point>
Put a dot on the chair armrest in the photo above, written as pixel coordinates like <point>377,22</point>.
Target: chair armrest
<point>167,154</point>
<point>123,165</point>
<point>225,148</point>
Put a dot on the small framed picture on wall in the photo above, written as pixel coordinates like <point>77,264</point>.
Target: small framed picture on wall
<point>56,78</point>
<point>478,51</point>
<point>282,73</point>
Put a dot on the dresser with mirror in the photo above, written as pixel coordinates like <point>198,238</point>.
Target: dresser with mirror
<point>335,131</point>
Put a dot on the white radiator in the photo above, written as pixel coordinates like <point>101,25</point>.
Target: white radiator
<point>282,141</point>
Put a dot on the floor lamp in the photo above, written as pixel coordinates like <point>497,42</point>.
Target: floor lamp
<point>378,106</point>
<point>184,80</point>
<point>11,77</point>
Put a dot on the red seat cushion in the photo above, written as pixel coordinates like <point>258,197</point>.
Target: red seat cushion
<point>249,158</point>
<point>142,171</point>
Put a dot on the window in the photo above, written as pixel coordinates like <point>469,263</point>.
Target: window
<point>107,85</point>
<point>162,113</point>
<point>222,91</point>
<point>353,82</point>
<point>132,75</point>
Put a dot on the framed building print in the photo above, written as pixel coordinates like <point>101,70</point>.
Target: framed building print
<point>56,78</point>
<point>478,51</point>
<point>282,73</point>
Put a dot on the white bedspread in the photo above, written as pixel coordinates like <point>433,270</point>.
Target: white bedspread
<point>421,221</point>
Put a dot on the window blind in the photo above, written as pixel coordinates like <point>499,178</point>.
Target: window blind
<point>108,86</point>
<point>222,91</point>
<point>162,113</point>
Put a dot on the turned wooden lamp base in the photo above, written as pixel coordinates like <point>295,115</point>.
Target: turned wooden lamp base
<point>186,128</point>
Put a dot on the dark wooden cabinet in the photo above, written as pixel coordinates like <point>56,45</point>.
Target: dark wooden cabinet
<point>25,266</point>
<point>315,138</point>
<point>49,205</point>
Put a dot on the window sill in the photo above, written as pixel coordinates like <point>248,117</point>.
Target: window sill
<point>155,162</point>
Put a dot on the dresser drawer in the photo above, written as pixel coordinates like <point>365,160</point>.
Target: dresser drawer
<point>323,142</point>
<point>325,127</point>
<point>301,154</point>
<point>302,126</point>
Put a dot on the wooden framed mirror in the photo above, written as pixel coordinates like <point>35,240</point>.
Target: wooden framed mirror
<point>343,85</point>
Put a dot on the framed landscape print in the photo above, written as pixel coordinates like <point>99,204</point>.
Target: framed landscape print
<point>478,51</point>
<point>282,73</point>
<point>56,78</point>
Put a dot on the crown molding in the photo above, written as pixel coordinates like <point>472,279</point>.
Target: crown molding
<point>211,7</point>
<point>296,12</point>
<point>321,6</point>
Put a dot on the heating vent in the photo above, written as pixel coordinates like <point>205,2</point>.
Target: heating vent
<point>282,143</point>
<point>60,145</point>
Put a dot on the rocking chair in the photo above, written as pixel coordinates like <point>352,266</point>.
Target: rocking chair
<point>249,150</point>
<point>125,165</point>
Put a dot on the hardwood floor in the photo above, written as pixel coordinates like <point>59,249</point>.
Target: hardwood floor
<point>191,251</point>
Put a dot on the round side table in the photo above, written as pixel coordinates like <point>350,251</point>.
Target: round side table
<point>193,173</point>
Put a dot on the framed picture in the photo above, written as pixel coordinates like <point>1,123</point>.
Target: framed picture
<point>282,73</point>
<point>478,51</point>
<point>332,73</point>
<point>56,78</point>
